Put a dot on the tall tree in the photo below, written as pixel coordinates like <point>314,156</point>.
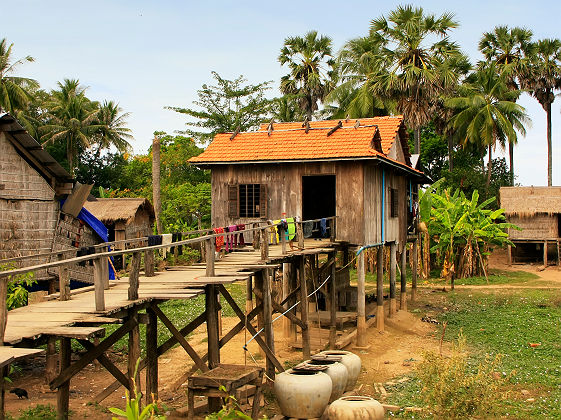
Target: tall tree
<point>542,77</point>
<point>14,90</point>
<point>113,130</point>
<point>416,45</point>
<point>508,48</point>
<point>488,113</point>
<point>309,59</point>
<point>73,120</point>
<point>229,106</point>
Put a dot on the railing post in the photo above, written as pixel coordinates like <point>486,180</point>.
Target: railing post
<point>282,237</point>
<point>332,232</point>
<point>63,280</point>
<point>134,276</point>
<point>210,245</point>
<point>300,234</point>
<point>149,262</point>
<point>264,245</point>
<point>99,284</point>
<point>105,265</point>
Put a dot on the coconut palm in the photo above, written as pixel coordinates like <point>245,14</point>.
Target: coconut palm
<point>73,120</point>
<point>310,63</point>
<point>14,90</point>
<point>358,63</point>
<point>113,130</point>
<point>508,48</point>
<point>542,78</point>
<point>487,112</point>
<point>416,45</point>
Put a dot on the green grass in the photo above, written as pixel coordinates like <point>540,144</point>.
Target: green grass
<point>505,323</point>
<point>39,412</point>
<point>498,277</point>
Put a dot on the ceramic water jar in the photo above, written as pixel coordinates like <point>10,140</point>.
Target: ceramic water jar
<point>302,394</point>
<point>337,372</point>
<point>355,408</point>
<point>351,361</point>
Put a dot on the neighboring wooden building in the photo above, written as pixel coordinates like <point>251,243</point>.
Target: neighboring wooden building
<point>357,170</point>
<point>32,185</point>
<point>537,211</point>
<point>125,218</point>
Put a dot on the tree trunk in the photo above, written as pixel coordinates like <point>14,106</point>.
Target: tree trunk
<point>70,157</point>
<point>450,153</point>
<point>417,137</point>
<point>511,163</point>
<point>549,169</point>
<point>489,165</point>
<point>156,182</point>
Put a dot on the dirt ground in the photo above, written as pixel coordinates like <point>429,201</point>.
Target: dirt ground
<point>391,353</point>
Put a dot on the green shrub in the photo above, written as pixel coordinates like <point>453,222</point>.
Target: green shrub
<point>17,293</point>
<point>452,389</point>
<point>39,412</point>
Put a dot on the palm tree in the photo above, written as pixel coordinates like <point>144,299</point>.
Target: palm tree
<point>508,48</point>
<point>310,63</point>
<point>113,130</point>
<point>73,120</point>
<point>14,90</point>
<point>358,63</point>
<point>542,78</point>
<point>416,45</point>
<point>487,112</point>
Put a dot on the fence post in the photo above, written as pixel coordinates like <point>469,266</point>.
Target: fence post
<point>264,244</point>
<point>361,301</point>
<point>282,236</point>
<point>99,284</point>
<point>332,230</point>
<point>210,245</point>
<point>300,233</point>
<point>149,263</point>
<point>134,275</point>
<point>63,280</point>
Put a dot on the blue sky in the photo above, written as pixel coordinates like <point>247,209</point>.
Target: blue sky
<point>148,54</point>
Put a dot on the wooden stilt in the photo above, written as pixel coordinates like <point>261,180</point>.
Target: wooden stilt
<point>414,270</point>
<point>249,295</point>
<point>292,301</point>
<point>4,372</point>
<point>211,300</point>
<point>63,392</point>
<point>286,323</point>
<point>509,255</point>
<point>149,263</point>
<point>304,307</point>
<point>403,269</point>
<point>545,253</point>
<point>268,321</point>
<point>380,289</point>
<point>134,353</point>
<point>99,285</point>
<point>393,266</point>
<point>558,253</point>
<point>258,286</point>
<point>151,356</point>
<point>63,280</point>
<point>52,360</point>
<point>361,301</point>
<point>134,276</point>
<point>333,303</point>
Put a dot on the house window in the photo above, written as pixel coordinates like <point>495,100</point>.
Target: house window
<point>247,200</point>
<point>393,202</point>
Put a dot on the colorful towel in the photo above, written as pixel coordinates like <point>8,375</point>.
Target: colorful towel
<point>230,238</point>
<point>241,239</point>
<point>219,239</point>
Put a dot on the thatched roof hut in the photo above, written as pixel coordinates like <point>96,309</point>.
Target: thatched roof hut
<point>530,201</point>
<point>125,218</point>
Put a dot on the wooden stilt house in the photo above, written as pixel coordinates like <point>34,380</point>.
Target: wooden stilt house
<point>357,170</point>
<point>537,211</point>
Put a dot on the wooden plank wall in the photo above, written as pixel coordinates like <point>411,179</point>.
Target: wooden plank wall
<point>284,183</point>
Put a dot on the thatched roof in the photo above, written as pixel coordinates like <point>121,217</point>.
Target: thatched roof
<point>528,201</point>
<point>111,210</point>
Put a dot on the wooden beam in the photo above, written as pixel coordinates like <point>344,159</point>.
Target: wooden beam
<point>99,284</point>
<point>67,373</point>
<point>134,276</point>
<point>264,244</point>
<point>393,266</point>
<point>210,245</point>
<point>3,308</point>
<point>213,338</point>
<point>509,255</point>
<point>63,280</point>
<point>180,339</point>
<point>134,353</point>
<point>149,263</point>
<point>333,303</point>
<point>278,308</point>
<point>250,327</point>
<point>152,355</point>
<point>545,253</point>
<point>414,269</point>
<point>268,320</point>
<point>63,392</point>
<point>380,289</point>
<point>107,364</point>
<point>403,273</point>
<point>361,301</point>
<point>304,307</point>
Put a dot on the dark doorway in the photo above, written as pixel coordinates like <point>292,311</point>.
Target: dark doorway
<point>318,196</point>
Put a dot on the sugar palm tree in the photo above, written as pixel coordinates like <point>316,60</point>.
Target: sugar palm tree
<point>487,112</point>
<point>358,63</point>
<point>542,78</point>
<point>416,45</point>
<point>73,120</point>
<point>310,63</point>
<point>113,130</point>
<point>509,49</point>
<point>14,90</point>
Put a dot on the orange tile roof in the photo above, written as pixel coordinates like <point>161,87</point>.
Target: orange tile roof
<point>289,141</point>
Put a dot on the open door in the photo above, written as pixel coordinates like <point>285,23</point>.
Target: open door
<point>318,196</point>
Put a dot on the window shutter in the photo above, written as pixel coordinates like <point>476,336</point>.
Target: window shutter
<point>233,207</point>
<point>263,199</point>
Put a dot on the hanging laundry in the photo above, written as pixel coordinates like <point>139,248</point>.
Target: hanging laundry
<point>273,234</point>
<point>166,240</point>
<point>232,238</point>
<point>308,228</point>
<point>219,240</point>
<point>241,239</point>
<point>154,240</point>
<point>176,237</point>
<point>291,229</point>
<point>323,227</point>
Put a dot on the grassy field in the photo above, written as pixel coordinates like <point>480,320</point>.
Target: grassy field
<point>506,323</point>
